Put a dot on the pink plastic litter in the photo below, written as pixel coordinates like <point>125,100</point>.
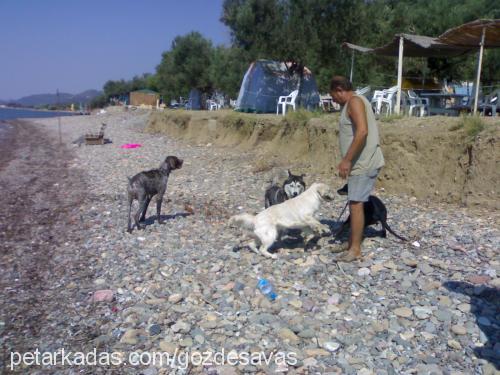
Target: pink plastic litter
<point>104,295</point>
<point>131,145</point>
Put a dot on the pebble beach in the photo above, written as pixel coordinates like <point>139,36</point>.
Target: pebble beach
<point>73,278</point>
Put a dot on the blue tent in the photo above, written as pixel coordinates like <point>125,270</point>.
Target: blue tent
<point>194,101</point>
<point>266,80</point>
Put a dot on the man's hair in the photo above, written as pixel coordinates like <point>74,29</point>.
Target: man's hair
<point>340,82</point>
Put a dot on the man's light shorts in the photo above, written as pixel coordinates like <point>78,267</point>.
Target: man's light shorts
<point>360,186</point>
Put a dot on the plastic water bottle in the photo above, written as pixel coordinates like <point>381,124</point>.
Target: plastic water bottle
<point>267,289</point>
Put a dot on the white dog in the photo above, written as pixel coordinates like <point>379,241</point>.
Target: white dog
<point>295,213</point>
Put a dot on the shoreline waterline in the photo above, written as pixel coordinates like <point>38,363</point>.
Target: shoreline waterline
<point>8,113</point>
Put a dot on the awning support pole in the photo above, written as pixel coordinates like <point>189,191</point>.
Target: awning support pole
<point>478,78</point>
<point>400,76</point>
<point>352,66</point>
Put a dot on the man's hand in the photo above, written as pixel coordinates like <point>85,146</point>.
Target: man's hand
<point>344,168</point>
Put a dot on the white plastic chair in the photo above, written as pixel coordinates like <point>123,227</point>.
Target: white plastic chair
<point>326,102</point>
<point>389,100</point>
<point>416,103</point>
<point>494,102</point>
<point>376,101</point>
<point>287,100</point>
<point>213,105</point>
<point>363,91</point>
<point>490,102</point>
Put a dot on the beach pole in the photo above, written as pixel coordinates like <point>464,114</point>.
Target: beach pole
<point>400,75</point>
<point>59,120</point>
<point>352,66</point>
<point>478,78</point>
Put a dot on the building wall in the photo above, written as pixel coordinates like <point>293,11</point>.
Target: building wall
<point>137,98</point>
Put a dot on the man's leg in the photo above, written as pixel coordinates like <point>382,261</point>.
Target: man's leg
<point>356,234</point>
<point>359,190</point>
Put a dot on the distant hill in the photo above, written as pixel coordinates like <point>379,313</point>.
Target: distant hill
<point>51,99</point>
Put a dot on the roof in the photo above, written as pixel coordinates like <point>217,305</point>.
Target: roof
<point>415,46</point>
<point>454,42</point>
<point>146,91</point>
<point>469,34</point>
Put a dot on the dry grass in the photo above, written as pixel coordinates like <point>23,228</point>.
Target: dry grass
<point>391,118</point>
<point>473,125</point>
<point>263,165</point>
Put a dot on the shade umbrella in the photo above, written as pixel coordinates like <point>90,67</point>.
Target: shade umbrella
<point>454,42</point>
<point>483,33</point>
<point>411,45</point>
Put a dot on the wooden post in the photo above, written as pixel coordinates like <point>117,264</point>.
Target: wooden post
<point>478,78</point>
<point>400,75</point>
<point>59,119</point>
<point>352,66</point>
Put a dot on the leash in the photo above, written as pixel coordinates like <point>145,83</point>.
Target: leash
<point>338,220</point>
<point>402,239</point>
<point>343,210</point>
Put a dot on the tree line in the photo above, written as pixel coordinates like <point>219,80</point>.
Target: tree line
<point>310,33</point>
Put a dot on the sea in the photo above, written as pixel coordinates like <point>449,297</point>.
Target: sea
<point>15,113</point>
<point>12,113</point>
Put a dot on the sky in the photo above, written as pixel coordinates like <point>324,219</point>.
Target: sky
<point>76,45</point>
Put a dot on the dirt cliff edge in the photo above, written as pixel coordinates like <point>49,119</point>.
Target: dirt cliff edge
<point>436,158</point>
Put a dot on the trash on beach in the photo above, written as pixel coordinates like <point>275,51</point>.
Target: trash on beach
<point>96,138</point>
<point>131,145</point>
<point>104,295</point>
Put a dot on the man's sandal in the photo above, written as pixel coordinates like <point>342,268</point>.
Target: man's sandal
<point>339,247</point>
<point>349,257</point>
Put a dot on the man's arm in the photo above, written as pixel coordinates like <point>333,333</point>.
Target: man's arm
<point>357,114</point>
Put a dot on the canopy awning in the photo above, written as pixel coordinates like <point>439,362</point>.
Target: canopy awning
<point>415,46</point>
<point>454,42</point>
<point>356,47</point>
<point>469,34</point>
<point>466,38</point>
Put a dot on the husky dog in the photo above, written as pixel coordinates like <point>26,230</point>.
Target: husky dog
<point>295,213</point>
<point>293,186</point>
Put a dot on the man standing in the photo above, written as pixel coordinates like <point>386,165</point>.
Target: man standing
<point>361,157</point>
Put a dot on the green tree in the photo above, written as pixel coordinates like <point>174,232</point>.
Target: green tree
<point>303,32</point>
<point>115,88</point>
<point>227,69</point>
<point>281,30</point>
<point>99,101</point>
<point>185,66</point>
<point>335,22</point>
<point>311,33</point>
<point>256,26</point>
<point>152,82</point>
<point>121,88</point>
<point>385,18</point>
